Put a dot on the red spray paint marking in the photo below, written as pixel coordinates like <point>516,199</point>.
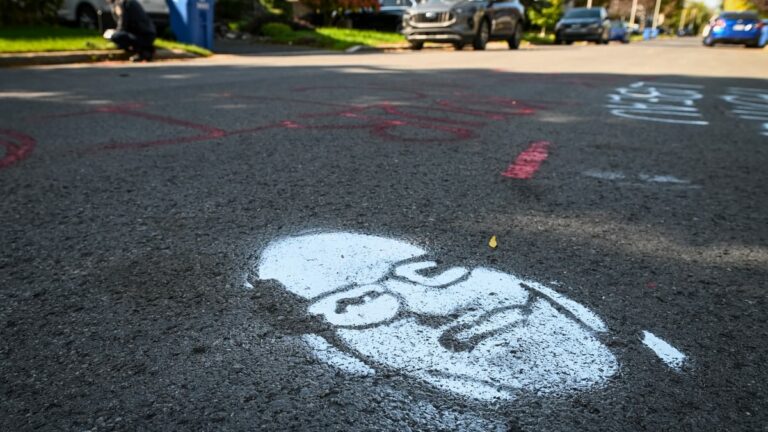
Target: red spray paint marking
<point>17,147</point>
<point>386,120</point>
<point>134,110</point>
<point>529,161</point>
<point>383,126</point>
<point>208,132</point>
<point>414,94</point>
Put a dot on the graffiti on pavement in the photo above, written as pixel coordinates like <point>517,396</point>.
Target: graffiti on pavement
<point>474,332</point>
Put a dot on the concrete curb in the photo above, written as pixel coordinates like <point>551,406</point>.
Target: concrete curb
<point>65,57</point>
<point>404,47</point>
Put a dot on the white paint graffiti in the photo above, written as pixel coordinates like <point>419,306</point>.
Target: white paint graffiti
<point>666,352</point>
<point>478,333</point>
<point>658,102</point>
<point>329,354</point>
<point>749,104</point>
<point>638,178</point>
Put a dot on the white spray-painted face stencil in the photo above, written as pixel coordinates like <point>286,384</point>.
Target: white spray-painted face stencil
<point>478,333</point>
<point>365,305</point>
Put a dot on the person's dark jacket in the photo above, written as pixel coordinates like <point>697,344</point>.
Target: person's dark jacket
<point>134,20</point>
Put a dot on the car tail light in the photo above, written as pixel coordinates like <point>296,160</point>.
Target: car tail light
<point>719,23</point>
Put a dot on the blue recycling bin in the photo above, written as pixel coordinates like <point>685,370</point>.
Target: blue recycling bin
<point>192,21</point>
<point>650,33</point>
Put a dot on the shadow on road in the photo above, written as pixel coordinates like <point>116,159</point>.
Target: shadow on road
<point>135,201</point>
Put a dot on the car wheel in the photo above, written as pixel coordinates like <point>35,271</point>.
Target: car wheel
<point>709,42</point>
<point>569,42</point>
<point>87,18</point>
<point>517,37</point>
<point>416,46</point>
<point>482,36</point>
<point>458,46</point>
<point>754,44</point>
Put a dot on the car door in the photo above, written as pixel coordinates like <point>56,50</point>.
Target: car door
<point>606,22</point>
<point>155,7</point>
<point>502,17</point>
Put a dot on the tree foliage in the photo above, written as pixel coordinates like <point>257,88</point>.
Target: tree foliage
<point>546,16</point>
<point>24,12</point>
<point>697,14</point>
<point>327,7</point>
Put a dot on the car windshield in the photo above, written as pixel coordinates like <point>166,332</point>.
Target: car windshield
<point>617,24</point>
<point>395,3</point>
<point>434,2</point>
<point>739,15</point>
<point>583,13</point>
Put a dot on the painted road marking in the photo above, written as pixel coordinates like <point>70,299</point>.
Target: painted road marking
<point>528,162</point>
<point>17,146</point>
<point>437,120</point>
<point>658,102</point>
<point>749,104</point>
<point>666,352</point>
<point>478,333</point>
<point>639,179</point>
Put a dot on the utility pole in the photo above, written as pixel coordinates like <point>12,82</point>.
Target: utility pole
<point>633,14</point>
<point>589,3</point>
<point>682,21</point>
<point>656,16</point>
<point>694,12</point>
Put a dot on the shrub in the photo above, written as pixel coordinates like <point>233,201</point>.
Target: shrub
<point>28,11</point>
<point>276,30</point>
<point>327,8</point>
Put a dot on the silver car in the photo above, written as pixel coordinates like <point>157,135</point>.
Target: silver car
<point>460,22</point>
<point>97,14</point>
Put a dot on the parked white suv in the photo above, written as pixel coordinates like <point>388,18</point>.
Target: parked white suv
<point>96,14</point>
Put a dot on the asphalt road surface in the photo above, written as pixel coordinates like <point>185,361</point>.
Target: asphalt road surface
<point>303,241</point>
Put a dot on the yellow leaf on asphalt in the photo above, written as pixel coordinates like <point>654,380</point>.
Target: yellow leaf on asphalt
<point>492,242</point>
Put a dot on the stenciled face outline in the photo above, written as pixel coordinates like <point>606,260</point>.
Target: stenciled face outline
<point>478,333</point>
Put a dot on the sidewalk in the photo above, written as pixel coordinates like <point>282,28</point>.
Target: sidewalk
<point>86,56</point>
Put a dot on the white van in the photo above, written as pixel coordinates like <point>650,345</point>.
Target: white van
<point>96,14</point>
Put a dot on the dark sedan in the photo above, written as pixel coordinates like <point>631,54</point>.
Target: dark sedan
<point>583,24</point>
<point>388,17</point>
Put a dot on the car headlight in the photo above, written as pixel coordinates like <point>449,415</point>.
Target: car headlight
<point>594,25</point>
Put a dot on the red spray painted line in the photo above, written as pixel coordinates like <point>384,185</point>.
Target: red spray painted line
<point>17,147</point>
<point>212,131</point>
<point>528,162</point>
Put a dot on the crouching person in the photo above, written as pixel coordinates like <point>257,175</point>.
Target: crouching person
<point>135,32</point>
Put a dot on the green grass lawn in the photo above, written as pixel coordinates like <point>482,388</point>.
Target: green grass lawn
<point>537,39</point>
<point>340,39</point>
<point>350,37</point>
<point>43,39</point>
<point>329,37</point>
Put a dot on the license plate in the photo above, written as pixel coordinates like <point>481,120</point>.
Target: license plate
<point>738,27</point>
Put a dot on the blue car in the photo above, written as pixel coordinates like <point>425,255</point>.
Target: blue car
<point>735,28</point>
<point>619,31</point>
